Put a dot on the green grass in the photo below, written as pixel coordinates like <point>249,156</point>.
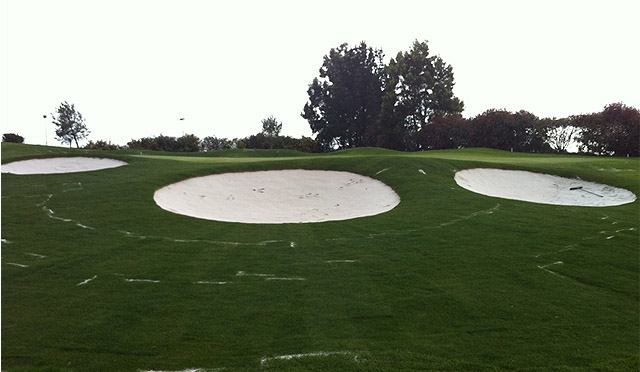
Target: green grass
<point>447,281</point>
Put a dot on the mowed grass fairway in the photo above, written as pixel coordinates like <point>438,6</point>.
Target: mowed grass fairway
<point>449,280</point>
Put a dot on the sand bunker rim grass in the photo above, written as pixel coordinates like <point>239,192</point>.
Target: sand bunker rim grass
<point>278,196</point>
<point>57,165</point>
<point>541,188</point>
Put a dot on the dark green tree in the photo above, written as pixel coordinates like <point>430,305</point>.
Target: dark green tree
<point>418,88</point>
<point>271,126</point>
<point>306,144</point>
<point>166,143</point>
<point>70,126</point>
<point>188,143</point>
<point>146,143</point>
<point>271,129</point>
<point>213,143</point>
<point>344,102</point>
<point>258,141</point>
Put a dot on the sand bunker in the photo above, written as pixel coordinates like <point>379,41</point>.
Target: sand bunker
<point>541,188</point>
<point>60,165</point>
<point>278,196</point>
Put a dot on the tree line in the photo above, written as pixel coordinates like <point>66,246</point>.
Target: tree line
<point>191,143</point>
<point>268,138</point>
<point>408,105</point>
<point>614,131</point>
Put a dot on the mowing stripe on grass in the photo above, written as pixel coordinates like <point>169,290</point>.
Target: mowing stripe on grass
<point>49,196</point>
<point>545,268</point>
<point>475,214</point>
<point>79,184</point>
<point>17,264</point>
<point>87,280</point>
<point>142,280</point>
<point>242,273</point>
<point>341,261</point>
<point>265,360</point>
<point>167,238</point>
<point>35,255</point>
<point>50,214</point>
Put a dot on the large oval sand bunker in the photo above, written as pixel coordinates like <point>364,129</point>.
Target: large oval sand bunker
<point>541,188</point>
<point>60,165</point>
<point>278,196</point>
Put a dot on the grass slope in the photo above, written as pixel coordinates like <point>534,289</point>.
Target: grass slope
<point>447,281</point>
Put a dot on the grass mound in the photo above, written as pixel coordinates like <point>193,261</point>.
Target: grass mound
<point>97,277</point>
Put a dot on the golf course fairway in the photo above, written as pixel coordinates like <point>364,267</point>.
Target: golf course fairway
<point>98,277</point>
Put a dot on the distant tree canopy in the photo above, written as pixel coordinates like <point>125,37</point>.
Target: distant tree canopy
<point>446,132</point>
<point>11,137</point>
<point>191,143</point>
<point>102,145</point>
<point>358,101</point>
<point>70,126</point>
<point>614,131</point>
<point>260,141</point>
<point>186,143</point>
<point>269,138</point>
<point>418,88</point>
<point>344,103</point>
<point>271,129</point>
<point>503,130</point>
<point>213,143</point>
<point>409,105</point>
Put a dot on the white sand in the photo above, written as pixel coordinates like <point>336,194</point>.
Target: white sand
<point>541,188</point>
<point>60,165</point>
<point>278,196</point>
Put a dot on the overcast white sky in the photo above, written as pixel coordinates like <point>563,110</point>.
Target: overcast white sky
<point>133,68</point>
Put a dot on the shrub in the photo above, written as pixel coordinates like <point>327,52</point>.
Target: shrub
<point>101,145</point>
<point>14,138</point>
